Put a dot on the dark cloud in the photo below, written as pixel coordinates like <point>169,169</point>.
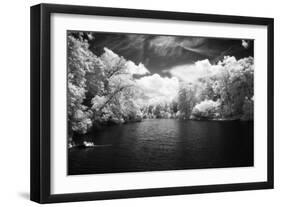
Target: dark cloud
<point>160,52</point>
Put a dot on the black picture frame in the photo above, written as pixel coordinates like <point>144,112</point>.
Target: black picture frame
<point>41,98</point>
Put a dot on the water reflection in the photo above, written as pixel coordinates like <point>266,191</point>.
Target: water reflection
<point>166,144</point>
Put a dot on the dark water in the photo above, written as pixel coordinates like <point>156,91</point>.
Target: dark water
<point>165,144</point>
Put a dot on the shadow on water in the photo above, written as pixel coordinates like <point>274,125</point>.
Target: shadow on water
<point>165,144</point>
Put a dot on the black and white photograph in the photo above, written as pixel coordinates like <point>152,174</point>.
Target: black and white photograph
<point>149,102</point>
<point>132,103</point>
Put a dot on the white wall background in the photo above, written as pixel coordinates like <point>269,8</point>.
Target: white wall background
<point>14,102</point>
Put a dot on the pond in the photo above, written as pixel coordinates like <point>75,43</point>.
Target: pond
<point>165,144</point>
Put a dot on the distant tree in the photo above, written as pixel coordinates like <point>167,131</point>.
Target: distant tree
<point>231,84</point>
<point>248,109</point>
<point>174,106</point>
<point>186,99</point>
<point>234,84</point>
<point>206,109</point>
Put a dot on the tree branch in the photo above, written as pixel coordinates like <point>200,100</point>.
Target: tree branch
<point>113,95</point>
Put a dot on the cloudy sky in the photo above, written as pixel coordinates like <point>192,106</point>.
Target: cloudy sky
<point>163,61</point>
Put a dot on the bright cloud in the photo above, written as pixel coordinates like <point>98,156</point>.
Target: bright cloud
<point>157,89</point>
<point>131,67</point>
<point>192,72</point>
<point>139,69</point>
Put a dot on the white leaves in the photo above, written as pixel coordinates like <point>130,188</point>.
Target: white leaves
<point>207,109</point>
<point>82,126</point>
<point>98,102</point>
<point>207,105</point>
<point>227,83</point>
<point>78,65</point>
<point>76,93</point>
